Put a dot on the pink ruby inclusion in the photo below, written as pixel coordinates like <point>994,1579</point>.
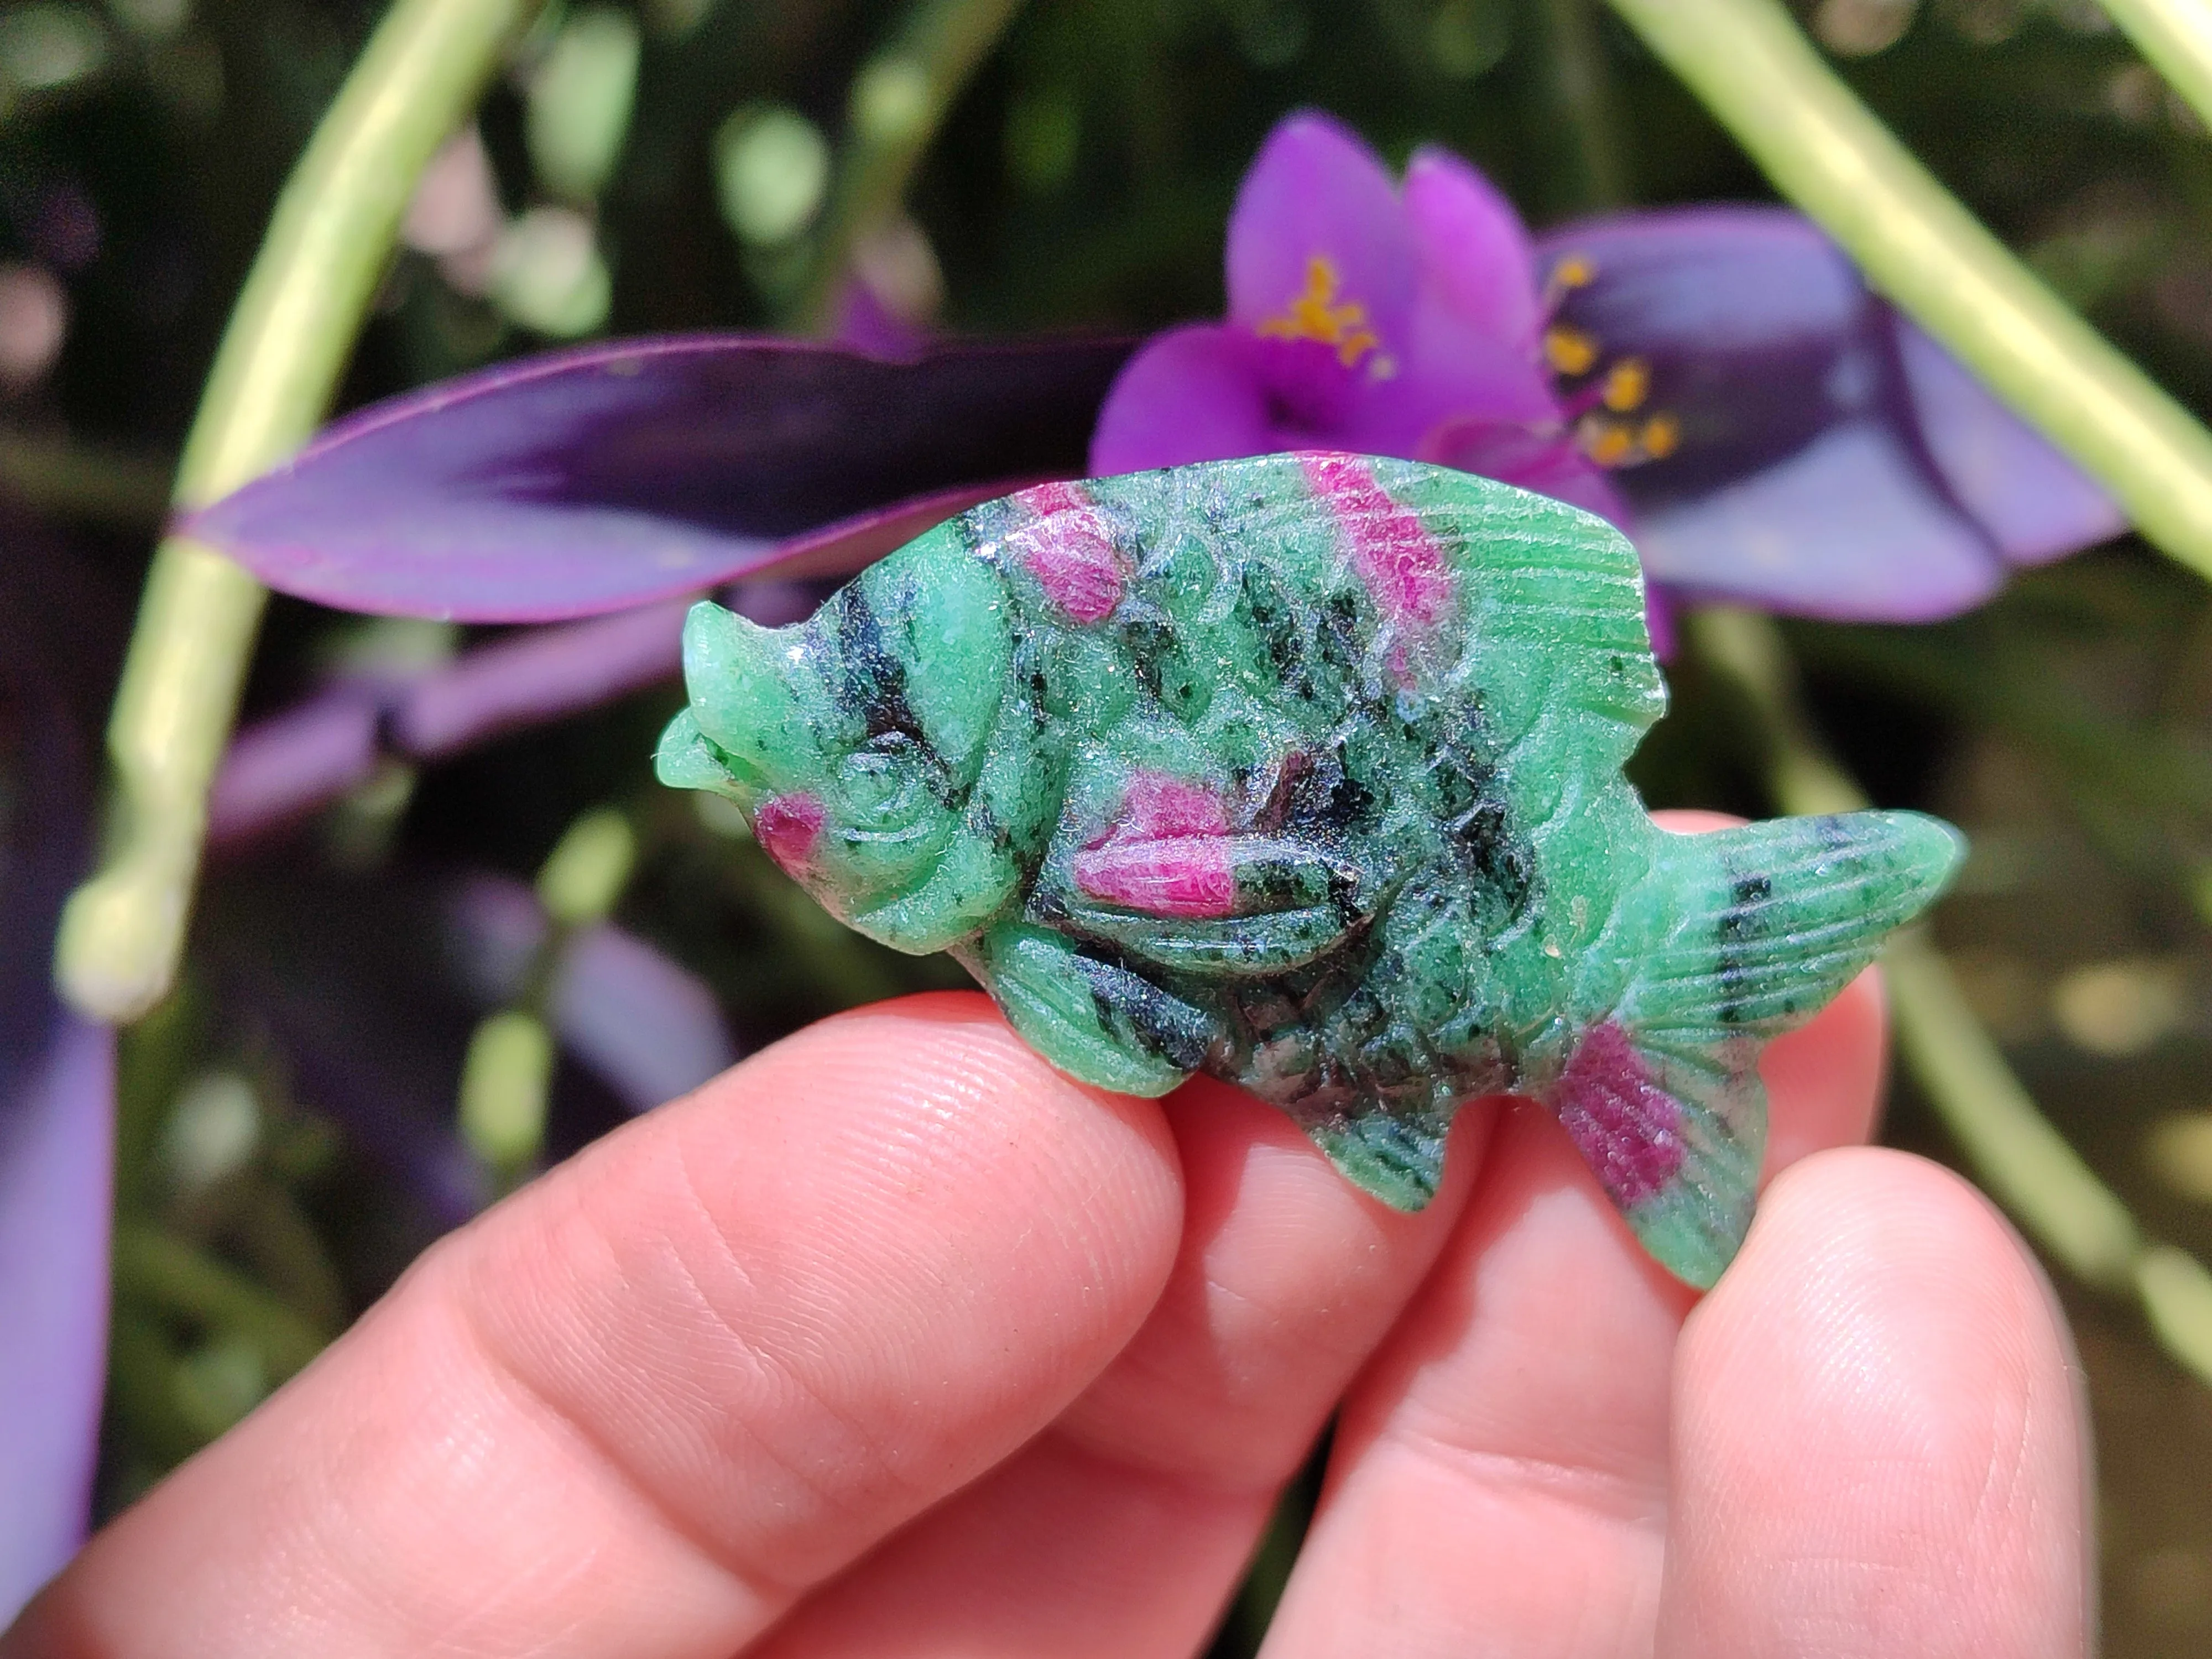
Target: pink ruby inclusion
<point>785,826</point>
<point>1186,875</point>
<point>1167,853</point>
<point>1070,552</point>
<point>1627,1127</point>
<point>1402,565</point>
<point>1157,804</point>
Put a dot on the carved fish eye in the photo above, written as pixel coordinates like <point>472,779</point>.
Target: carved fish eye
<point>883,788</point>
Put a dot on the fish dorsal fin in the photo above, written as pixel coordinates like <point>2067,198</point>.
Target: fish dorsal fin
<point>1553,606</point>
<point>1537,607</point>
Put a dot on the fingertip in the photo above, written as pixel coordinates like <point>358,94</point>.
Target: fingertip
<point>1878,1430</point>
<point>1823,1080</point>
<point>1289,1276</point>
<point>935,1091</point>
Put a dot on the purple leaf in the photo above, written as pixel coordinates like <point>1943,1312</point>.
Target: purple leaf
<point>57,1128</point>
<point>538,675</point>
<point>284,766</point>
<point>57,1108</point>
<point>280,769</point>
<point>599,479</point>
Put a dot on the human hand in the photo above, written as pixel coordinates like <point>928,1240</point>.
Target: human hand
<point>892,1341</point>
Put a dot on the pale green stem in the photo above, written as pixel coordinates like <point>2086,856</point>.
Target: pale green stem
<point>1585,90</point>
<point>1753,67</point>
<point>899,99</point>
<point>2176,35</point>
<point>288,342</point>
<point>2015,1151</point>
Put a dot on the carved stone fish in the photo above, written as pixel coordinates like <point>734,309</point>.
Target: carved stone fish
<point>1305,771</point>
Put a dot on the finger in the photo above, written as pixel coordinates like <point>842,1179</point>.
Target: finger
<point>1878,1439</point>
<point>1502,1466</point>
<point>1824,1080</point>
<point>641,1408</point>
<point>1123,1528</point>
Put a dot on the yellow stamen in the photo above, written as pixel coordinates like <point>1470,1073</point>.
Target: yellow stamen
<point>1661,435</point>
<point>1568,350</point>
<point>1317,314</point>
<point>1573,271</point>
<point>1607,442</point>
<point>1627,383</point>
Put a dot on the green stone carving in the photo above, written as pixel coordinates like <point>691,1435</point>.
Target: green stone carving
<point>1305,771</point>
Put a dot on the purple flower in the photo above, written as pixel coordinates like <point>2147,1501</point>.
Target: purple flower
<point>1718,381</point>
<point>1828,457</point>
<point>1364,317</point>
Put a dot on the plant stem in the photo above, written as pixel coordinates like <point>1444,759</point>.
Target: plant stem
<point>899,99</point>
<point>1584,91</point>
<point>2015,1151</point>
<point>2176,35</point>
<point>287,345</point>
<point>1826,150</point>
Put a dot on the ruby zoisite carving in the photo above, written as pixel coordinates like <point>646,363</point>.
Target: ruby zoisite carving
<point>1304,771</point>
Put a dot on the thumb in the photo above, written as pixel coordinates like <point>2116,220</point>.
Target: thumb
<point>641,1407</point>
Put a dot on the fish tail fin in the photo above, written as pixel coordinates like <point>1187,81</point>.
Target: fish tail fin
<point>1753,930</point>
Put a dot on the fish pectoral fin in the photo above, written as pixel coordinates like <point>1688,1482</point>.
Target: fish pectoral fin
<point>1209,876</point>
<point>1099,1023</point>
<point>1234,947</point>
<point>1235,905</point>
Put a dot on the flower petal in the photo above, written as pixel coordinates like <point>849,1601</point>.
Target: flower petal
<point>1192,394</point>
<point>1321,266</point>
<point>1472,248</point>
<point>594,480</point>
<point>1850,527</point>
<point>1548,462</point>
<point>1823,455</point>
<point>1743,331</point>
<point>1456,374</point>
<point>2036,504</point>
